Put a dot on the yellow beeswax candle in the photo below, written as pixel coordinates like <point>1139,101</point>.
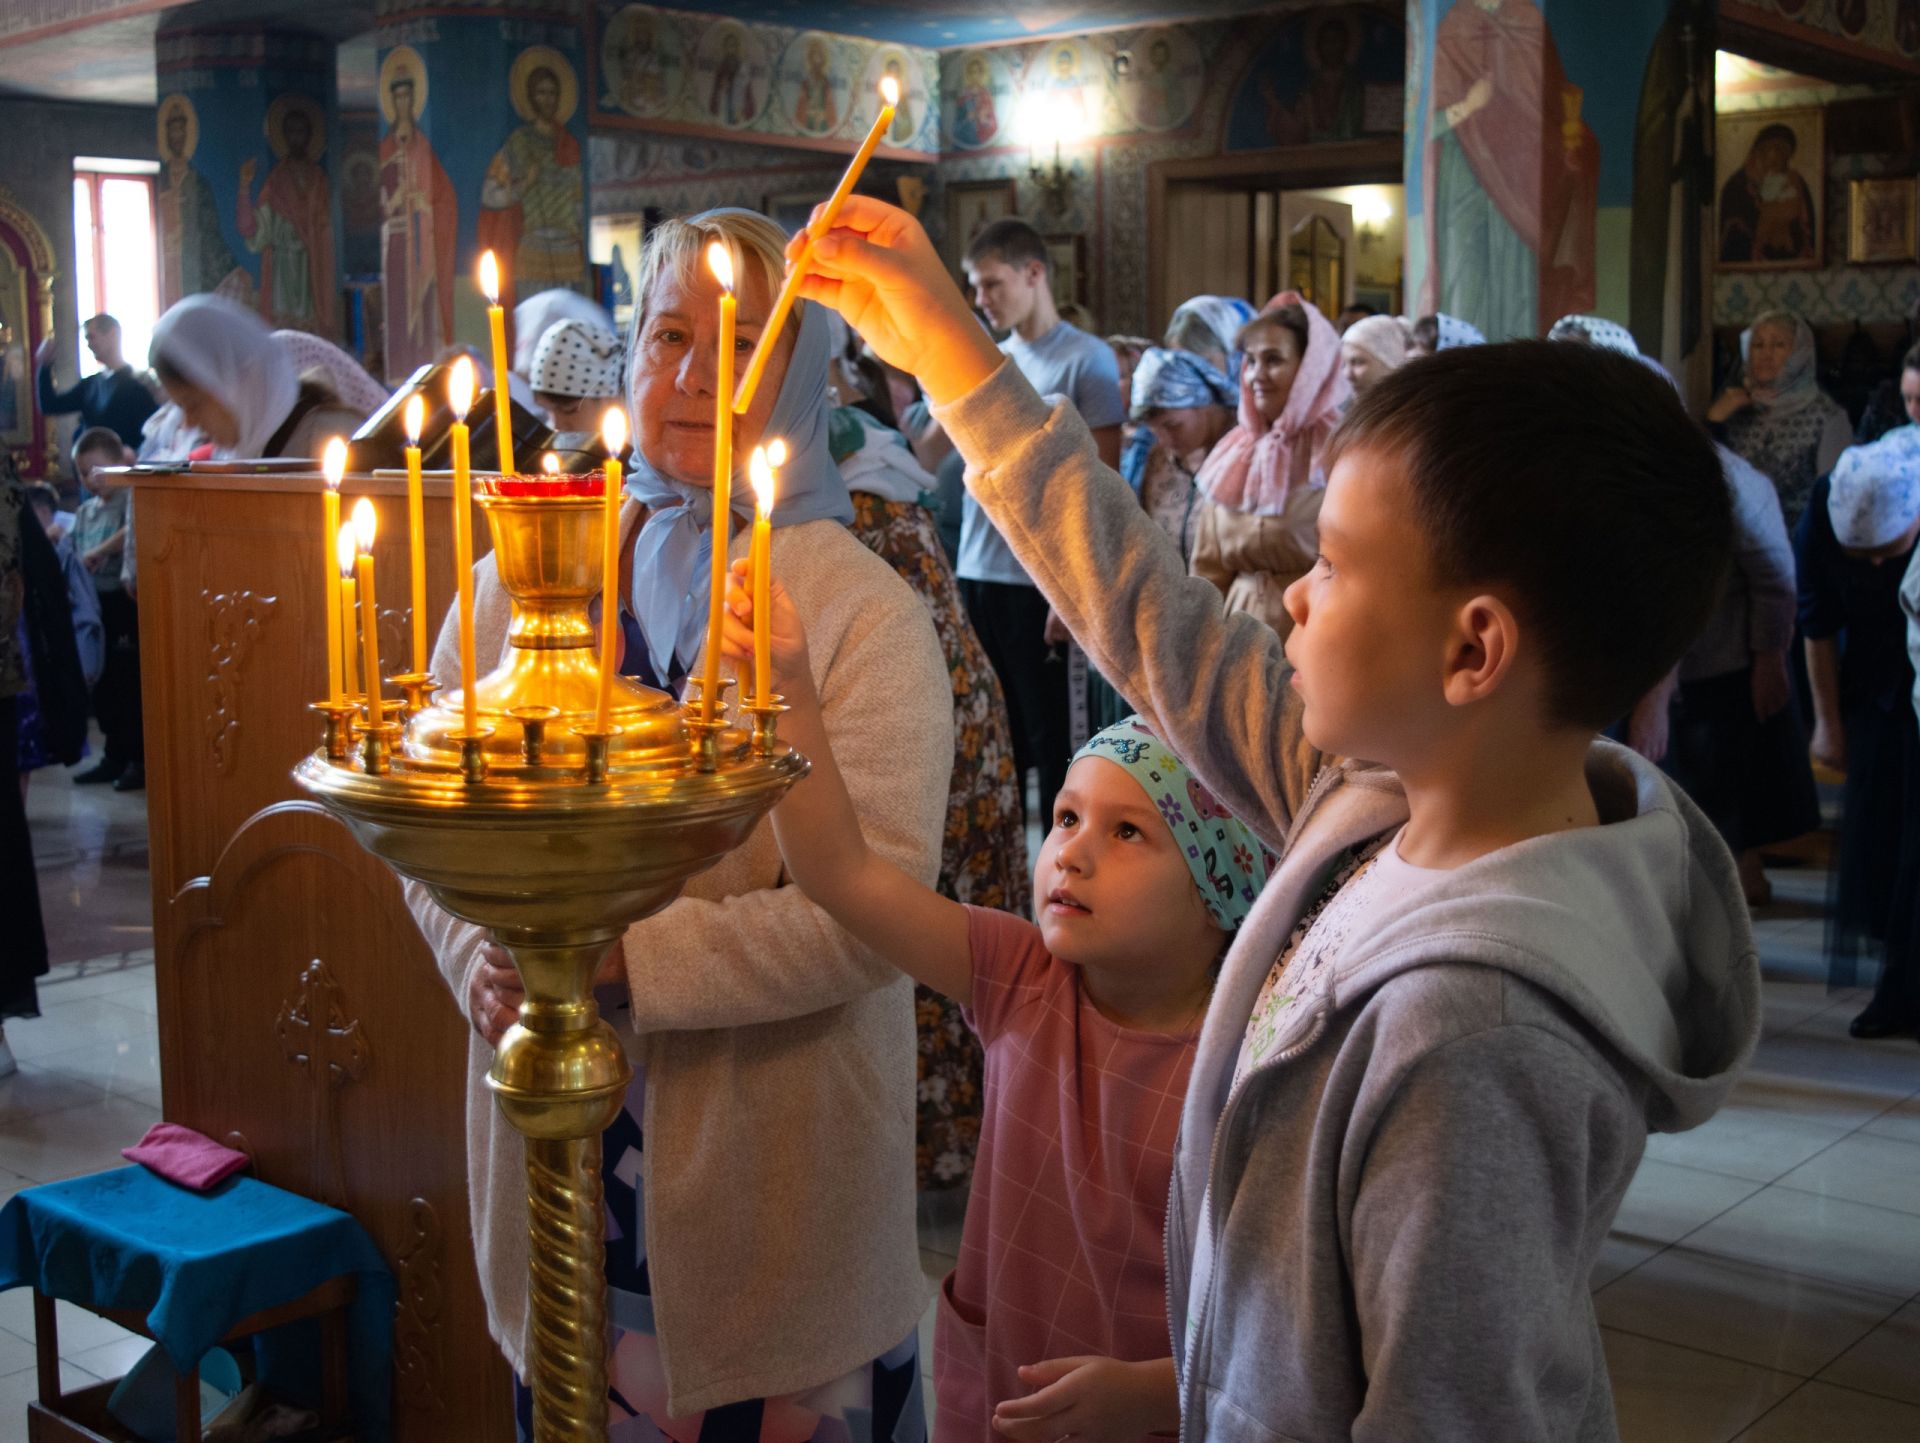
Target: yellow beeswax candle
<point>763,470</point>
<point>333,465</point>
<point>497,330</point>
<point>416,533</point>
<point>364,526</point>
<point>721,263</point>
<point>613,430</point>
<point>460,400</point>
<point>817,227</point>
<point>343,549</point>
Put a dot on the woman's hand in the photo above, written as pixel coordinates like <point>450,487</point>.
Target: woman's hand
<point>1730,401</point>
<point>788,637</point>
<point>1099,1400</point>
<point>877,268</point>
<point>494,992</point>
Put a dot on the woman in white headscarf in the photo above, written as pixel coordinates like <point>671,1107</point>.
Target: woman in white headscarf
<point>1776,417</point>
<point>238,387</point>
<point>761,1171</point>
<point>1372,348</point>
<point>320,360</point>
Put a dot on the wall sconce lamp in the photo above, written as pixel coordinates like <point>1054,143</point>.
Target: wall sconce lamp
<point>1371,212</point>
<point>1058,121</point>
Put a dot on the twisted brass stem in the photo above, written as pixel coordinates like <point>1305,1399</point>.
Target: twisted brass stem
<point>568,1288</point>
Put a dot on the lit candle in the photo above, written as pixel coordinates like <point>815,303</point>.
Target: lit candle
<point>762,470</point>
<point>550,464</point>
<point>343,551</point>
<point>460,400</point>
<point>333,464</point>
<point>613,430</point>
<point>364,524</point>
<point>789,292</point>
<point>497,328</point>
<point>721,263</point>
<point>416,532</point>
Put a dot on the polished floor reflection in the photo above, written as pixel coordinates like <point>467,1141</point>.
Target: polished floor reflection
<point>1762,1282</point>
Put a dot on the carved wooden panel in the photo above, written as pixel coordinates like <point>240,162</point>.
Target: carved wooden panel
<point>301,1017</point>
<point>235,620</point>
<point>301,1013</point>
<point>418,1337</point>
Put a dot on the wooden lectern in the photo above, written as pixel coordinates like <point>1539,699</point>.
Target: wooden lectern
<point>302,1019</point>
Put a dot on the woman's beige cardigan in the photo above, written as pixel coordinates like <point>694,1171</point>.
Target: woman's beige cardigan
<point>779,1053</point>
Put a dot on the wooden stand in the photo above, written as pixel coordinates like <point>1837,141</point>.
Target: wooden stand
<point>82,1417</point>
<point>302,1019</point>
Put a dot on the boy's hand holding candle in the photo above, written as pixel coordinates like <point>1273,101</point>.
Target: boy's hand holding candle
<point>877,268</point>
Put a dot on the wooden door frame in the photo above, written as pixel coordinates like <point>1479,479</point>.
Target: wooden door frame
<point>1298,167</point>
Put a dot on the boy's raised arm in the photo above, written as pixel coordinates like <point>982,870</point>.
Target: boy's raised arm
<point>1215,686</point>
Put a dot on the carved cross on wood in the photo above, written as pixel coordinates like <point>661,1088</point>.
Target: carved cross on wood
<point>317,1031</point>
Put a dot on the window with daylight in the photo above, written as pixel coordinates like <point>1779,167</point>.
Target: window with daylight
<point>116,263</point>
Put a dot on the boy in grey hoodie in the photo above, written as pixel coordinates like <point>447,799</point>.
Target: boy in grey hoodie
<point>1489,962</point>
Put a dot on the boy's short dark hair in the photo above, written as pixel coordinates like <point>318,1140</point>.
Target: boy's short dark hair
<point>1010,240</point>
<point>1911,361</point>
<point>1572,478</point>
<point>98,438</point>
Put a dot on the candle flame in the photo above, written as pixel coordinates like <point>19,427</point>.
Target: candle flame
<point>365,523</point>
<point>490,277</point>
<point>721,264</point>
<point>550,464</point>
<point>415,417</point>
<point>333,461</point>
<point>460,387</point>
<point>613,430</point>
<point>760,473</point>
<point>344,550</point>
<point>777,451</point>
<point>890,90</point>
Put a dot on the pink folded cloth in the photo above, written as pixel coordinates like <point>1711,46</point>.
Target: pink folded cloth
<point>183,1156</point>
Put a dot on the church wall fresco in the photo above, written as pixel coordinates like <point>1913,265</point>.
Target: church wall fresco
<point>245,196</point>
<point>482,145</point>
<point>1558,161</point>
<point>669,71</point>
<point>1183,92</point>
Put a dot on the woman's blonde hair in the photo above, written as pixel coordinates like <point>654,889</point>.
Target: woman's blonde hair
<point>678,248</point>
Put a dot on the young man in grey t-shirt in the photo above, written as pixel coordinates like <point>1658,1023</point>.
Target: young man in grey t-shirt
<point>1007,268</point>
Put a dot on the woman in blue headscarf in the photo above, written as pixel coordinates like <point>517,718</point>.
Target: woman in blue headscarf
<point>762,1256</point>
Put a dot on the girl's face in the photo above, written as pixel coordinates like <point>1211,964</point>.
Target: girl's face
<point>676,370</point>
<point>1186,429</point>
<point>1272,361</point>
<point>1362,368</point>
<point>1111,887</point>
<point>204,412</point>
<point>1910,394</point>
<point>1768,352</point>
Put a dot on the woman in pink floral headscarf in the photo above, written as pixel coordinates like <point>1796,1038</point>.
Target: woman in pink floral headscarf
<point>1258,529</point>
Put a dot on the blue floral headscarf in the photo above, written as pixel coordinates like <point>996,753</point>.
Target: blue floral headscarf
<point>1168,380</point>
<point>1228,863</point>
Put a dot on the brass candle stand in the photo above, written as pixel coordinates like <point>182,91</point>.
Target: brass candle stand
<point>553,836</point>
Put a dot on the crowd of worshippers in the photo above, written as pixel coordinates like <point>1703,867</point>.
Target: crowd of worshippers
<point>1087,692</point>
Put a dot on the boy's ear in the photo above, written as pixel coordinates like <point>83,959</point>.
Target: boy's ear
<point>1482,652</point>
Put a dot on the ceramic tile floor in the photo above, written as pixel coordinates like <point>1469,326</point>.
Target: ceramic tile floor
<point>1762,1281</point>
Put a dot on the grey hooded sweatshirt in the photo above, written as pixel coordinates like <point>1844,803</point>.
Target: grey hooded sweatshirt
<point>1406,1198</point>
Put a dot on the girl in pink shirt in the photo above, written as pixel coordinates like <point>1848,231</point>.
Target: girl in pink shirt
<point>1054,1321</point>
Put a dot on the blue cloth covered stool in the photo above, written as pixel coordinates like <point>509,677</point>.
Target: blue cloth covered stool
<point>195,1264</point>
